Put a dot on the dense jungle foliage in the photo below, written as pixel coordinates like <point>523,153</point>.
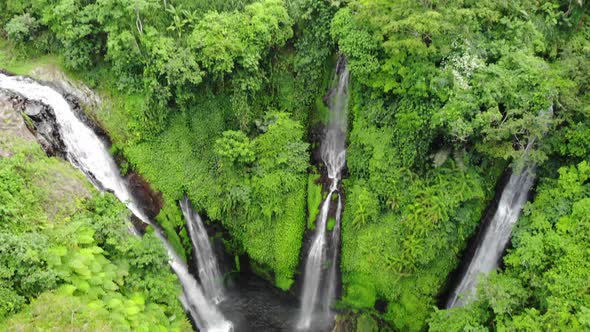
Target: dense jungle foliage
<point>223,101</point>
<point>68,262</point>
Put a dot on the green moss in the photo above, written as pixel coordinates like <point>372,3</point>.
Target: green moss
<point>283,282</point>
<point>237,264</point>
<point>361,294</point>
<point>262,204</point>
<point>115,115</point>
<point>322,110</point>
<point>260,270</point>
<point>170,218</point>
<point>283,85</point>
<point>45,189</point>
<point>365,323</point>
<point>314,199</point>
<point>331,223</point>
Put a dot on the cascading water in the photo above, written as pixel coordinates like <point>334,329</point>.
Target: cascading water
<point>87,152</point>
<point>207,263</point>
<point>319,287</point>
<point>206,315</point>
<point>496,236</point>
<point>335,246</point>
<point>313,270</point>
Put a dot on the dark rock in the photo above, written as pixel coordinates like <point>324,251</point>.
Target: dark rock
<point>43,124</point>
<point>77,107</point>
<point>34,110</point>
<point>150,201</point>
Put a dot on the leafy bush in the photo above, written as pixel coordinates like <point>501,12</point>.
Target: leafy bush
<point>236,147</point>
<point>21,28</point>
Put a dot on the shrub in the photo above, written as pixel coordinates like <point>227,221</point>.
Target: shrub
<point>21,28</point>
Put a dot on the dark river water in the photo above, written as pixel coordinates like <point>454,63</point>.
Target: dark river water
<point>253,304</point>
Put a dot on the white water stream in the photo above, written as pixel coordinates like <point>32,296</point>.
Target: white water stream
<point>489,252</point>
<point>209,274</point>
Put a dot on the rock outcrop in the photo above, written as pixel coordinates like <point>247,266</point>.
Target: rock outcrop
<point>42,123</point>
<point>12,126</point>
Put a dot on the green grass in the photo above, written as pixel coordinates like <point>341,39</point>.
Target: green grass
<point>23,66</point>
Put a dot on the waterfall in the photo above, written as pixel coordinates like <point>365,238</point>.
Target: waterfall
<point>87,152</point>
<point>332,278</point>
<point>313,269</point>
<point>319,287</point>
<point>207,263</point>
<point>496,236</point>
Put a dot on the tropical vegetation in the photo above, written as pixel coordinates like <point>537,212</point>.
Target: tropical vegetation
<point>225,101</point>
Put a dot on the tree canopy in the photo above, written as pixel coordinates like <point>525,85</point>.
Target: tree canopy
<point>226,102</point>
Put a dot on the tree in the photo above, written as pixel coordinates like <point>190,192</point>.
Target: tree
<point>21,28</point>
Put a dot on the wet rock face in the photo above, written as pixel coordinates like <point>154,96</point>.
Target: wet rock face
<point>42,123</point>
<point>148,199</point>
<point>77,106</point>
<point>61,82</point>
<point>10,119</point>
<point>12,126</point>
